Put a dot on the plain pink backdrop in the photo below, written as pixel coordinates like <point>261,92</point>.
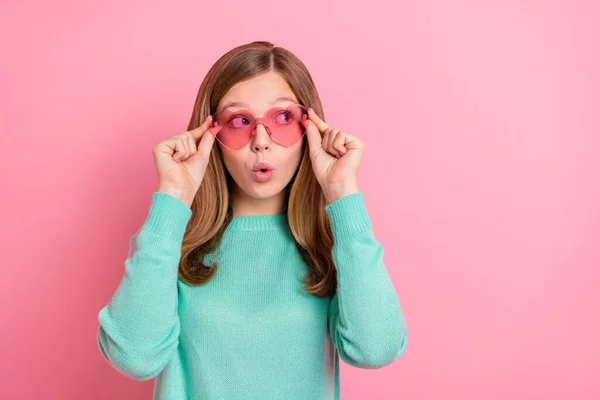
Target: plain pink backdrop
<point>480,176</point>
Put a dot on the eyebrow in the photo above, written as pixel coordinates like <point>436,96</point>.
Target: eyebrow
<point>245,105</point>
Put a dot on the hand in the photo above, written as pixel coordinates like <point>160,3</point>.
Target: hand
<point>181,164</point>
<point>335,156</point>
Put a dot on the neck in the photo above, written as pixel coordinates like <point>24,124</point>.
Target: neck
<point>244,205</point>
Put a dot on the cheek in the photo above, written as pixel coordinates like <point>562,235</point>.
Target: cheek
<point>295,156</point>
<point>232,160</point>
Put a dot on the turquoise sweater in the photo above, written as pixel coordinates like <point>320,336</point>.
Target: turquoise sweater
<point>251,332</point>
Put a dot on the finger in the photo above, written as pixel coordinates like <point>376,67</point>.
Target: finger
<point>200,130</point>
<point>313,136</point>
<point>181,152</point>
<point>325,140</point>
<point>332,136</point>
<point>191,143</point>
<point>205,147</point>
<point>352,142</point>
<point>174,148</point>
<point>321,125</point>
<point>338,143</point>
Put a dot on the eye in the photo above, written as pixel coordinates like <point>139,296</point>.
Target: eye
<point>283,117</point>
<point>238,121</point>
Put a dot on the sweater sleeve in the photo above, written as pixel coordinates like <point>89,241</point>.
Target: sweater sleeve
<point>365,320</point>
<point>139,327</point>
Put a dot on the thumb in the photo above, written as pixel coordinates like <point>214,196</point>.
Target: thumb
<point>205,145</point>
<point>312,135</point>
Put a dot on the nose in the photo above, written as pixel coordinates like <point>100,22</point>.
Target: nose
<point>261,140</point>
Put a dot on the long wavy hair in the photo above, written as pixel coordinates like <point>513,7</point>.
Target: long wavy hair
<point>305,202</point>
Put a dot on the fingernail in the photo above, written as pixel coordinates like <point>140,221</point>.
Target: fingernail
<point>311,110</point>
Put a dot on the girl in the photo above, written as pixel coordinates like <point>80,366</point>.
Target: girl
<point>256,268</point>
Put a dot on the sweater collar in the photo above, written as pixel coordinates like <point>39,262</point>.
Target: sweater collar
<point>258,222</point>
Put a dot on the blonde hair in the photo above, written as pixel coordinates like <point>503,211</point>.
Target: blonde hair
<point>211,210</point>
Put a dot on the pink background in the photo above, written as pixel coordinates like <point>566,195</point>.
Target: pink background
<point>481,177</point>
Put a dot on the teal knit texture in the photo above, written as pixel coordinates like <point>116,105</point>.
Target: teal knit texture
<point>251,332</point>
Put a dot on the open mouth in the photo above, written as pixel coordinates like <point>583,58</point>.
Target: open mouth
<point>263,174</point>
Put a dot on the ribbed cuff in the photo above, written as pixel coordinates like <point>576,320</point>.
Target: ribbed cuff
<point>168,216</point>
<point>348,215</point>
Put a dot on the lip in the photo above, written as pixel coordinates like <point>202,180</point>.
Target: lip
<point>263,176</point>
<point>263,165</point>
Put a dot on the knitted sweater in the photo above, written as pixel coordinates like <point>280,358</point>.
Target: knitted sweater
<point>251,332</point>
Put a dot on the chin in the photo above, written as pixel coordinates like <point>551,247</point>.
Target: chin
<point>263,190</point>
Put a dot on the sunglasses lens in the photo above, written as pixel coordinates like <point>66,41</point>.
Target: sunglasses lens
<point>235,128</point>
<point>284,125</point>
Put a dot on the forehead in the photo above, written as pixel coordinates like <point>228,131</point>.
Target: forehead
<point>259,93</point>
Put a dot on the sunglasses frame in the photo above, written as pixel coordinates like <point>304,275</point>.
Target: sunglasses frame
<point>262,120</point>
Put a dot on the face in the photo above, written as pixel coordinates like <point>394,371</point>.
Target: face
<point>259,95</point>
